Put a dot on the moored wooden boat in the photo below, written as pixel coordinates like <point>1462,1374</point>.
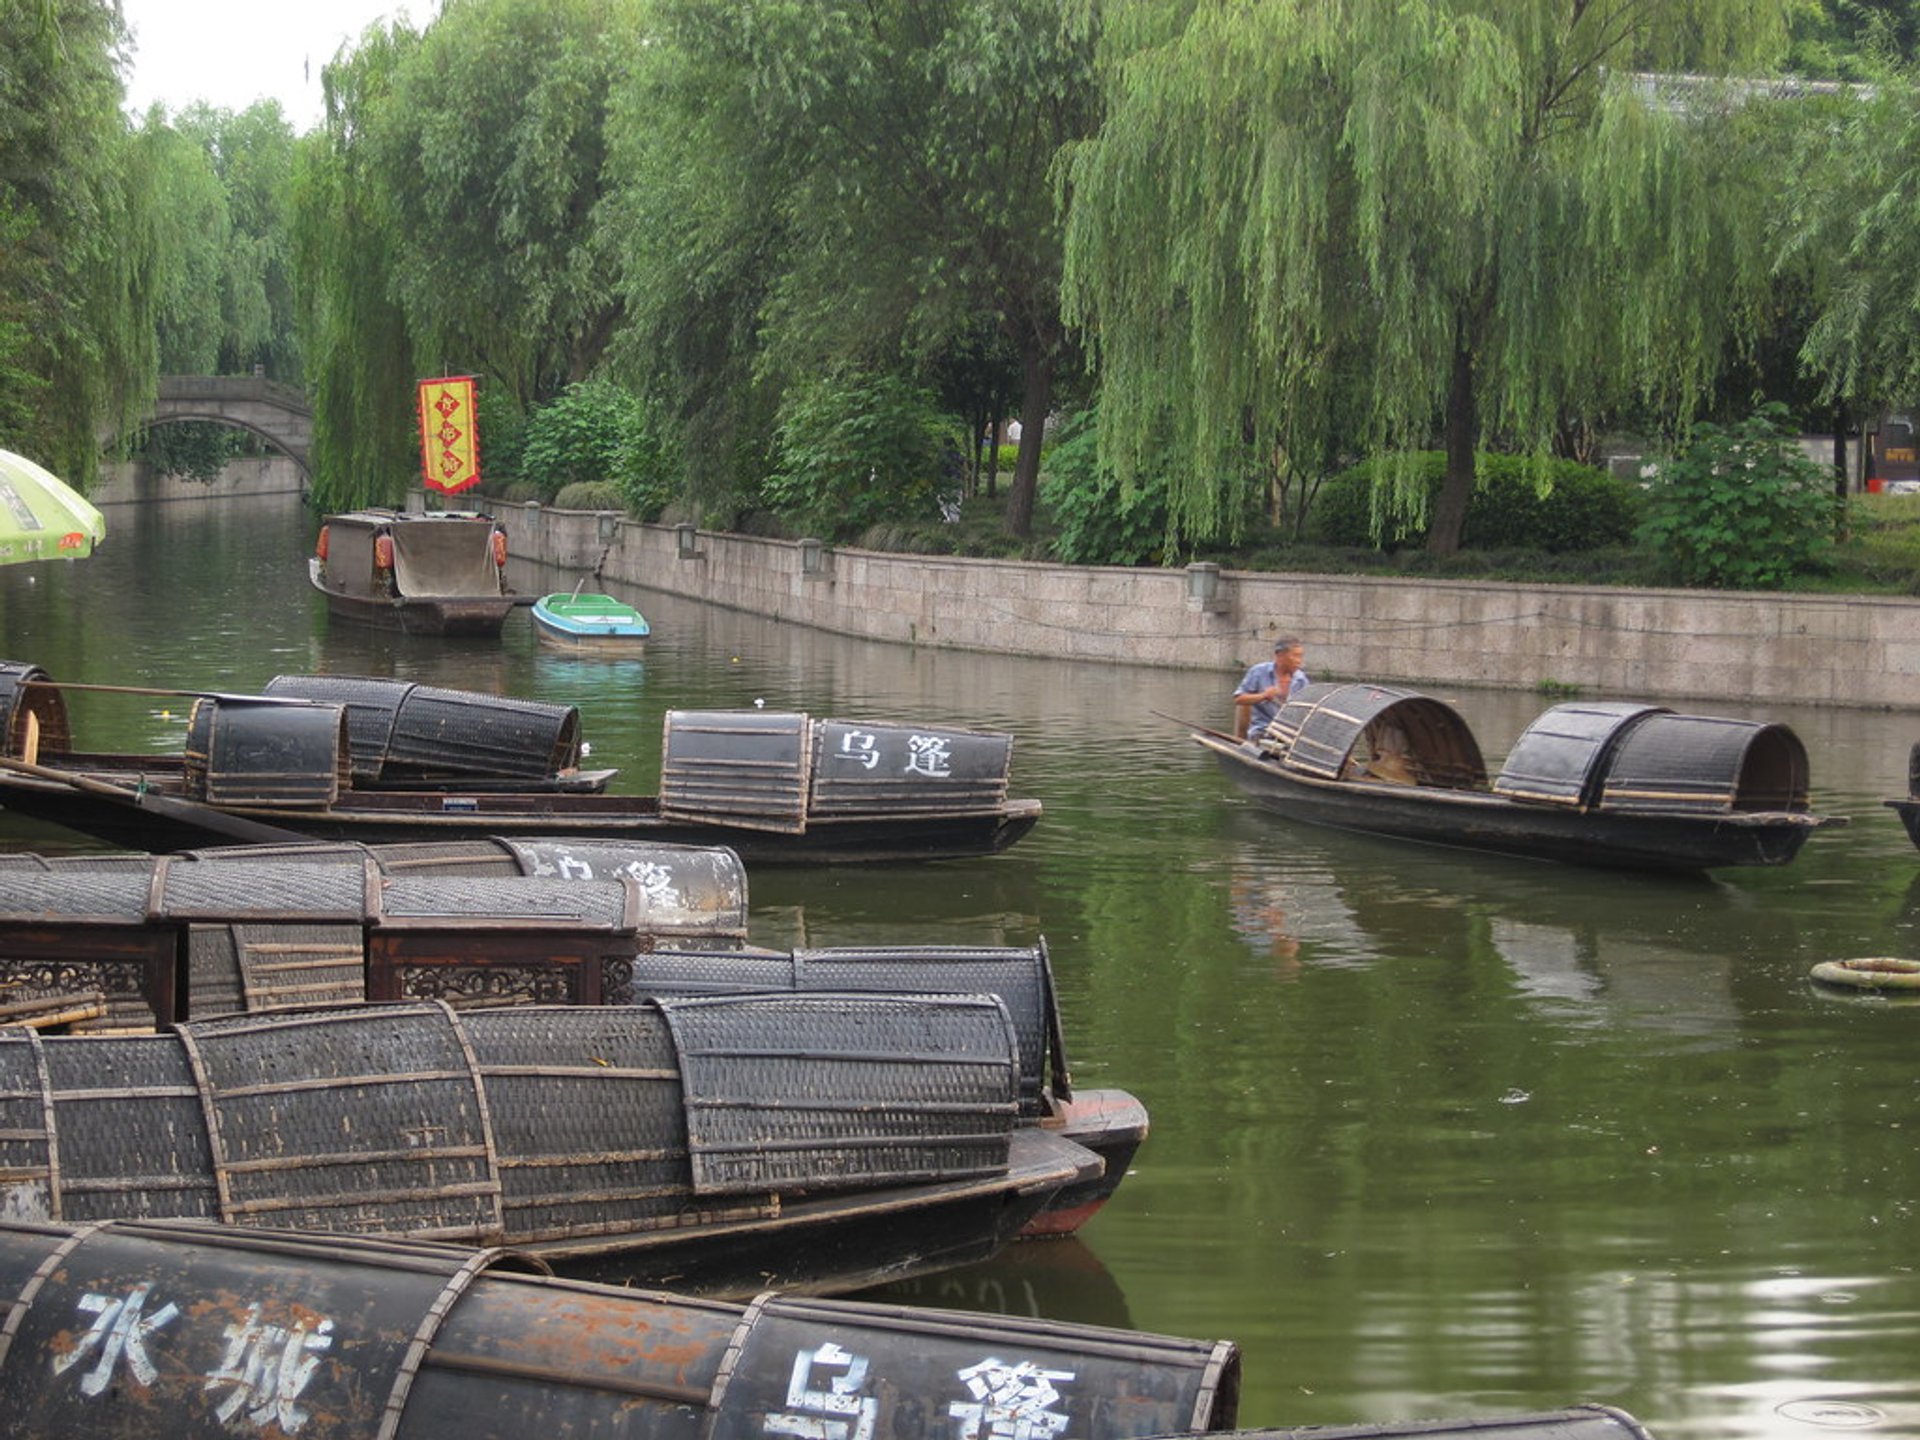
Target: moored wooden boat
<point>724,1145</point>
<point>111,944</point>
<point>1909,809</point>
<point>594,623</point>
<point>1618,785</point>
<point>379,761</point>
<point>442,573</point>
<point>332,1339</point>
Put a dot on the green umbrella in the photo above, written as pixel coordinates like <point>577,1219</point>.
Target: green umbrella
<point>41,517</point>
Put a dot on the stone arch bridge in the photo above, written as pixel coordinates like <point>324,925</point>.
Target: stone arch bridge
<point>279,414</point>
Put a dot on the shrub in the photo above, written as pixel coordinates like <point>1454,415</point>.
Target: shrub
<point>854,451</point>
<point>1100,524</point>
<point>590,495</point>
<point>503,433</point>
<point>1740,507</point>
<point>1883,551</point>
<point>575,436</point>
<point>1582,508</point>
<point>598,432</point>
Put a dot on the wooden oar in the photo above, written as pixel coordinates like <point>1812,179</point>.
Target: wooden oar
<point>164,693</point>
<point>235,827</point>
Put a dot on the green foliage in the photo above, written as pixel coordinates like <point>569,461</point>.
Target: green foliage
<point>980,531</point>
<point>855,451</point>
<point>850,183</point>
<point>250,153</point>
<point>488,151</point>
<point>1557,506</point>
<point>590,495</point>
<point>503,441</point>
<point>359,354</point>
<point>1740,507</point>
<point>191,450</point>
<point>77,246</point>
<point>575,438</point>
<point>1314,219</point>
<point>192,237</point>
<point>1102,521</point>
<point>1885,532</point>
<point>598,432</point>
<point>448,217</point>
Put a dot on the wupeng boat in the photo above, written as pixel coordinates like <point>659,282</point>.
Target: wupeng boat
<point>722,1145</point>
<point>440,573</point>
<point>1616,784</point>
<point>1909,809</point>
<point>329,757</point>
<point>590,622</point>
<point>193,1331</point>
<point>116,943</point>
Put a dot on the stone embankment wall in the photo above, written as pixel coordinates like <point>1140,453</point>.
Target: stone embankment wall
<point>1672,644</point>
<point>128,482</point>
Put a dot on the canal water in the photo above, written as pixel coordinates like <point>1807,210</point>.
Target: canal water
<point>1434,1134</point>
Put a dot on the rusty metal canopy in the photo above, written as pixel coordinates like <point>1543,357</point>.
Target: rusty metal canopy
<point>834,1090</point>
<point>1562,758</point>
<point>1694,764</point>
<point>882,768</point>
<point>523,1124</point>
<point>193,1332</point>
<point>748,767</point>
<point>401,730</point>
<point>1331,724</point>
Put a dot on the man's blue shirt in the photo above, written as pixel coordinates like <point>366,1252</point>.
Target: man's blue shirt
<point>1264,677</point>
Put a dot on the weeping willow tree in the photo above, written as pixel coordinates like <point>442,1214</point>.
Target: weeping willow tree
<point>1469,211</point>
<point>352,330</point>
<point>1853,225</point>
<point>448,222</point>
<point>871,176</point>
<point>77,257</point>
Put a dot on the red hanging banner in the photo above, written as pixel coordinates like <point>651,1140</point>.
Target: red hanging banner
<point>449,434</point>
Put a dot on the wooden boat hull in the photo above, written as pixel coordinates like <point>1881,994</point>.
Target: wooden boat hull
<point>658,1143</point>
<point>1909,813</point>
<point>1110,1123</point>
<point>836,1244</point>
<point>378,818</point>
<point>1671,843</point>
<point>481,615</point>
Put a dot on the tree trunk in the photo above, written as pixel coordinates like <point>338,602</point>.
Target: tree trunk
<point>1449,519</point>
<point>1035,400</point>
<point>1840,454</point>
<point>1840,477</point>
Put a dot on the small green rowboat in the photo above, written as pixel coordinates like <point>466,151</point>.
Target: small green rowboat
<point>590,622</point>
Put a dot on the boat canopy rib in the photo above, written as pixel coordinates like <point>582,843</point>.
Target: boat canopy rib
<point>1376,732</point>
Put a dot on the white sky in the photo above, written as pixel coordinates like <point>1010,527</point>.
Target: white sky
<point>231,53</point>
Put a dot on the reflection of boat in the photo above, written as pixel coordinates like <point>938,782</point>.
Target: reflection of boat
<point>1623,785</point>
<point>282,1334</point>
<point>1909,809</point>
<point>1064,1280</point>
<point>724,1144</point>
<point>594,623</point>
<point>328,757</point>
<point>428,574</point>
